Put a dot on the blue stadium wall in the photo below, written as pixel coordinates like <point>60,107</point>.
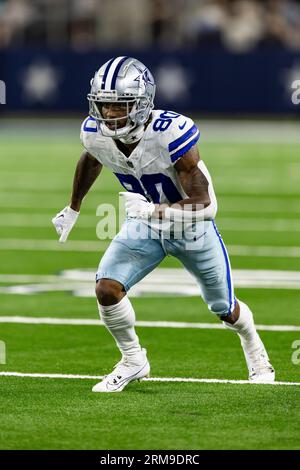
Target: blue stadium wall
<point>206,81</point>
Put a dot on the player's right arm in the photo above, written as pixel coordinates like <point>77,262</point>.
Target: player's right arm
<point>87,171</point>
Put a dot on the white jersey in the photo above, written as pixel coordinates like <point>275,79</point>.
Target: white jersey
<point>149,170</point>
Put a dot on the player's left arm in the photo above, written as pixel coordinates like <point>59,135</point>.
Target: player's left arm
<point>195,185</point>
<point>200,203</point>
<point>192,180</point>
<point>197,206</point>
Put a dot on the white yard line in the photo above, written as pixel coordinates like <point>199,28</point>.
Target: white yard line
<point>147,324</point>
<point>161,281</point>
<point>28,278</point>
<point>224,223</point>
<point>52,245</point>
<point>264,251</point>
<point>238,224</point>
<point>248,204</point>
<point>12,219</point>
<point>151,379</point>
<point>96,246</point>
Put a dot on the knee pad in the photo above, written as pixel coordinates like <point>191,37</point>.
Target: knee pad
<point>219,307</point>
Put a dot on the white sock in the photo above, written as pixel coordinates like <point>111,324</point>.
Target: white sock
<point>119,319</point>
<point>244,327</point>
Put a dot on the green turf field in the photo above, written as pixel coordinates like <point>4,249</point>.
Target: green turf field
<point>257,184</point>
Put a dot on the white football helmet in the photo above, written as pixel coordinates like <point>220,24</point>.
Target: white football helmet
<point>127,82</point>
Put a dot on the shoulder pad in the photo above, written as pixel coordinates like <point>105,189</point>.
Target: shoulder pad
<point>88,131</point>
<point>178,134</point>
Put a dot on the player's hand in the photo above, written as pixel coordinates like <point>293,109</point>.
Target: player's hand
<point>137,205</point>
<point>64,222</point>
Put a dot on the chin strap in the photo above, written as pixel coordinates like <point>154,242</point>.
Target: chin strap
<point>133,136</point>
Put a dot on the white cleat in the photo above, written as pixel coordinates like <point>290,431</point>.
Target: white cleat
<point>125,371</point>
<point>259,366</point>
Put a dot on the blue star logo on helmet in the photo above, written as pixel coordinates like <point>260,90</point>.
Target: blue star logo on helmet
<point>147,77</point>
<point>143,75</point>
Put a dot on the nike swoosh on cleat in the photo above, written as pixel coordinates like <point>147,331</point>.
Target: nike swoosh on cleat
<point>127,379</point>
<point>183,125</point>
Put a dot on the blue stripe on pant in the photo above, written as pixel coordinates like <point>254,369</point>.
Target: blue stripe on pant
<point>228,270</point>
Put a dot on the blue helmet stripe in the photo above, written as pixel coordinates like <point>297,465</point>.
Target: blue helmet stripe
<point>114,78</point>
<point>173,145</point>
<point>106,73</point>
<point>185,149</point>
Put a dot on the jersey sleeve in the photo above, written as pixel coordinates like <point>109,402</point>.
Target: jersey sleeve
<point>182,135</point>
<point>88,134</point>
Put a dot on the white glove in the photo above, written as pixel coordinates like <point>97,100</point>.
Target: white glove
<point>64,222</point>
<point>137,205</point>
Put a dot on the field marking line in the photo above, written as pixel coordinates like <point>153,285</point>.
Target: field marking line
<point>264,251</point>
<point>266,205</point>
<point>225,223</point>
<point>16,244</point>
<point>165,281</point>
<point>147,324</point>
<point>96,246</point>
<point>151,379</point>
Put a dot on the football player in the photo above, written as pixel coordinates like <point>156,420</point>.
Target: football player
<point>154,155</point>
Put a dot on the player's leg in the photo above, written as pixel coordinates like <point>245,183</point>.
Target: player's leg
<point>211,267</point>
<point>241,322</point>
<point>126,261</point>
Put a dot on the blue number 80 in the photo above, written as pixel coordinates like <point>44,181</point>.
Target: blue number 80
<point>164,120</point>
